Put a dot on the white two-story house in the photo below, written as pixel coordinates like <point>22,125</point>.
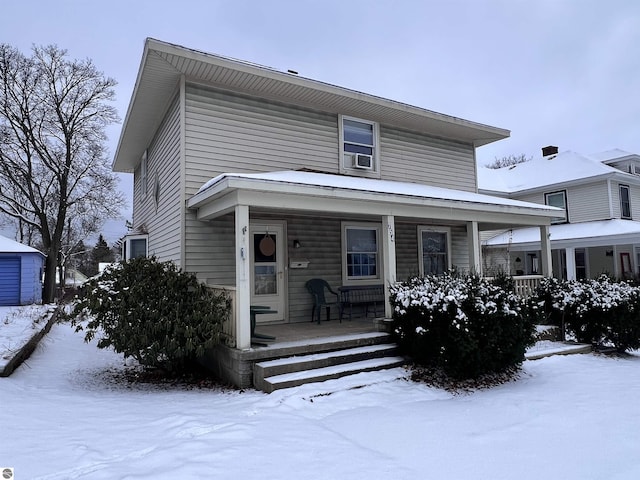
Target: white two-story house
<point>258,180</point>
<point>600,229</point>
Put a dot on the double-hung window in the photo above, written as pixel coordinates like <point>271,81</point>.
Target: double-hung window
<point>558,199</point>
<point>358,146</point>
<point>625,202</point>
<point>361,258</point>
<point>434,248</point>
<point>135,246</point>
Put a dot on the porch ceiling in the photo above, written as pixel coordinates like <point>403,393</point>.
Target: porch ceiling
<point>318,192</point>
<point>585,234</point>
<point>164,64</point>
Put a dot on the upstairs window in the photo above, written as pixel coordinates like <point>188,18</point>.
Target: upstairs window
<point>625,202</point>
<point>358,146</point>
<point>558,199</point>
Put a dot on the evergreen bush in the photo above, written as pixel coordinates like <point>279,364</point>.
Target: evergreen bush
<point>467,326</point>
<point>599,311</point>
<point>153,312</point>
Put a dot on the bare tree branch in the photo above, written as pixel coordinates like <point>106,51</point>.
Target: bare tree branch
<point>54,173</point>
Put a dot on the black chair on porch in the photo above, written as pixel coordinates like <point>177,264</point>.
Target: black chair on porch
<point>317,287</point>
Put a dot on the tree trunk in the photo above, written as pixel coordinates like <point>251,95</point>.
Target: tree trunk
<point>50,264</point>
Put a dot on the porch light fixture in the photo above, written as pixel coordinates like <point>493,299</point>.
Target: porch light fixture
<point>296,243</point>
<point>518,260</point>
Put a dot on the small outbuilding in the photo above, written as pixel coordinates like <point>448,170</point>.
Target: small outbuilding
<point>21,269</point>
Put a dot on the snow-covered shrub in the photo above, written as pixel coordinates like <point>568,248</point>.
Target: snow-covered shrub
<point>151,311</point>
<point>466,325</point>
<point>598,310</point>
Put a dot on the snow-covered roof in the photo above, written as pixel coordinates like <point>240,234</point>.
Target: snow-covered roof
<point>587,234</point>
<point>612,155</point>
<point>565,167</point>
<point>347,183</point>
<point>11,246</point>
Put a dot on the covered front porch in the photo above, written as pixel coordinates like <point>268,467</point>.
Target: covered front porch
<point>578,250</point>
<point>289,227</point>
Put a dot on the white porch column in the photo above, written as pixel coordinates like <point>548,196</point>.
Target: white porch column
<point>570,254</point>
<point>545,251</point>
<point>243,276</point>
<point>388,259</point>
<point>475,253</point>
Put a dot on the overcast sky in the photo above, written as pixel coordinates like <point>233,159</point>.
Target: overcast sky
<point>553,72</point>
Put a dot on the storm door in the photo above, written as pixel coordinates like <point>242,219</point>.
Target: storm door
<point>267,270</point>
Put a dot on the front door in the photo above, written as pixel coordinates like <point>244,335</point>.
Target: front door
<point>267,269</point>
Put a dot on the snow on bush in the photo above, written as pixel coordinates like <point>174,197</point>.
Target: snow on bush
<point>466,325</point>
<point>598,310</point>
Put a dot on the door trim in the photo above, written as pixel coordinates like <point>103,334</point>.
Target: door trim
<point>282,262</point>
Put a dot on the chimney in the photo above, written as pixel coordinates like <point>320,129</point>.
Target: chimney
<point>550,150</point>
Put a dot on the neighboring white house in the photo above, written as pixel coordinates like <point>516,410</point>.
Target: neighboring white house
<point>258,180</point>
<point>600,230</point>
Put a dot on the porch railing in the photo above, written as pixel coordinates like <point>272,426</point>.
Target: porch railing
<point>524,285</point>
<point>229,325</point>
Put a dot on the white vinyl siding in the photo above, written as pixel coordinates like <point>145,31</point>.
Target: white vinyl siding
<point>411,157</point>
<point>210,249</point>
<point>232,133</point>
<point>589,202</point>
<point>585,203</point>
<point>162,220</point>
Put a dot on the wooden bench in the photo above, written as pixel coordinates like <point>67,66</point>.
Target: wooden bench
<point>367,295</point>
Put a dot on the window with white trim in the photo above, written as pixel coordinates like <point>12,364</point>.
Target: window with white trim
<point>358,146</point>
<point>558,199</point>
<point>434,246</point>
<point>625,202</point>
<point>360,252</point>
<point>135,246</point>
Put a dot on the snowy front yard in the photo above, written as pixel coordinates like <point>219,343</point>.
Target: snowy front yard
<point>573,417</point>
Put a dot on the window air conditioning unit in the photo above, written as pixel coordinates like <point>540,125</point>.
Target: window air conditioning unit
<point>360,160</point>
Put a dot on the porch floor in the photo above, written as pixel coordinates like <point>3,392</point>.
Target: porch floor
<point>303,331</point>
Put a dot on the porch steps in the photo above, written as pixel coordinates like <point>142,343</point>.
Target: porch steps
<point>293,371</point>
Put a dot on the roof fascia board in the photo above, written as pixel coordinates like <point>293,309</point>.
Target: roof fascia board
<point>384,201</point>
<point>496,133</point>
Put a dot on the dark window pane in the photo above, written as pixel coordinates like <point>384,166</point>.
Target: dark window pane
<point>358,132</point>
<point>138,248</point>
<point>264,247</point>
<point>351,148</point>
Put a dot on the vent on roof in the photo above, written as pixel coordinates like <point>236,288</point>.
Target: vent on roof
<point>550,150</point>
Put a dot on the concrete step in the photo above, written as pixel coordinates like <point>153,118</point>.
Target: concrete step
<point>295,379</point>
<point>292,364</point>
<point>293,371</point>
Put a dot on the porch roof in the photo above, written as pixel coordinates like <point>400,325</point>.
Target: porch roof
<point>301,190</point>
<point>584,234</point>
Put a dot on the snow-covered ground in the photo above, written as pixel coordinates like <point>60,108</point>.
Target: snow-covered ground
<point>18,325</point>
<point>568,417</point>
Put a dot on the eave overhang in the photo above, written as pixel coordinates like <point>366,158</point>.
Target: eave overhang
<point>163,65</point>
<point>327,193</point>
<point>602,233</point>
